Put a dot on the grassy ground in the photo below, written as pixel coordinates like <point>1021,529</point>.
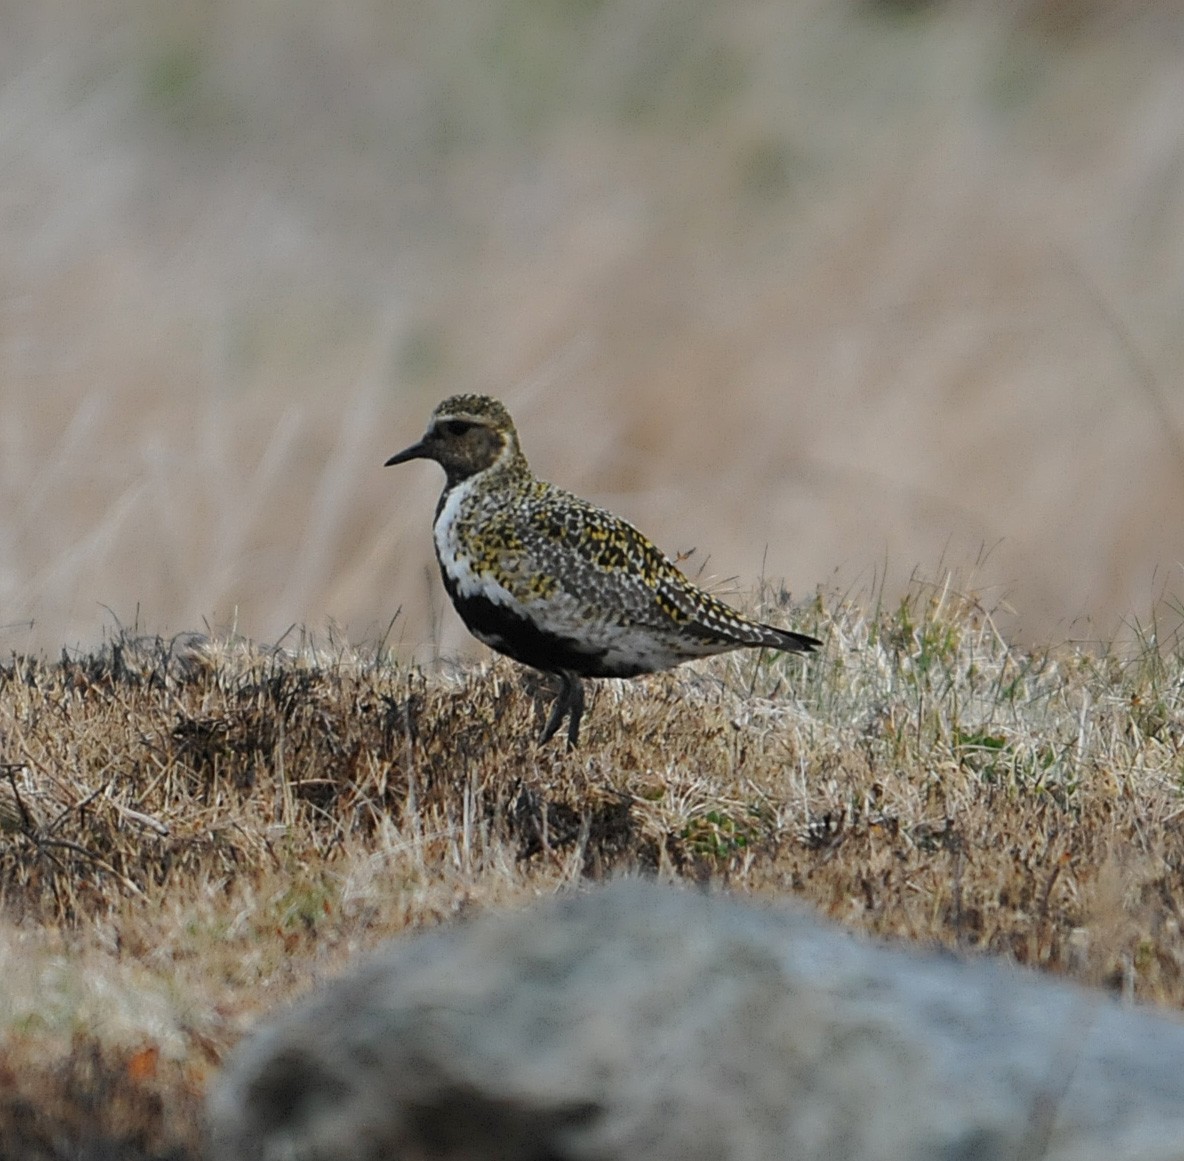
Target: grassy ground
<point>192,831</point>
<point>813,284</point>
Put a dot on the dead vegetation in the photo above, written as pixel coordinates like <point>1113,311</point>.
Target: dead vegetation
<point>829,284</point>
<point>192,831</point>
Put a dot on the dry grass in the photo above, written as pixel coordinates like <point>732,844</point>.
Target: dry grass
<point>815,285</point>
<point>824,284</point>
<point>192,831</point>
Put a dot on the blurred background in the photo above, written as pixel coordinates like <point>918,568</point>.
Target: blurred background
<point>832,292</point>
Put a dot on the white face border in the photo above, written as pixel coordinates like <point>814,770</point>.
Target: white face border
<point>452,557</point>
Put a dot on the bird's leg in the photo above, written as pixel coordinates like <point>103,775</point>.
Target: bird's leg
<point>568,704</point>
<point>576,710</point>
<point>559,709</point>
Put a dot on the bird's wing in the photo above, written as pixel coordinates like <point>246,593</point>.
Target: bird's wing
<point>607,566</point>
<point>565,548</point>
<point>610,570</point>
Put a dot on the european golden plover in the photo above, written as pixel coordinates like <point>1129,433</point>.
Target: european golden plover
<point>555,582</point>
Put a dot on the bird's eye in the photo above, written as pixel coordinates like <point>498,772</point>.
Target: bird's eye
<point>457,426</point>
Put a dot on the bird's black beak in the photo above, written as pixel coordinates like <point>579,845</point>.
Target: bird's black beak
<point>417,451</point>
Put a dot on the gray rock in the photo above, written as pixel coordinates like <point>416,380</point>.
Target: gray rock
<point>646,1022</point>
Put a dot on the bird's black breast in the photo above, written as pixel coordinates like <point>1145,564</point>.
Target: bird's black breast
<point>533,644</point>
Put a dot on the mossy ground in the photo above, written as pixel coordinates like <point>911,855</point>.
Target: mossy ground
<point>193,831</point>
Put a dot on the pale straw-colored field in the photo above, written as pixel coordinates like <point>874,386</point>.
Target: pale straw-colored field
<point>832,293</point>
<point>822,290</point>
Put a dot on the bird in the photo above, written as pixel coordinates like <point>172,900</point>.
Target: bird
<point>555,582</point>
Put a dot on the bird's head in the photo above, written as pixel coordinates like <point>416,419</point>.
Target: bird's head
<point>467,434</point>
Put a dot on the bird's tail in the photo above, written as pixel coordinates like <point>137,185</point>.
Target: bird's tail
<point>788,641</point>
